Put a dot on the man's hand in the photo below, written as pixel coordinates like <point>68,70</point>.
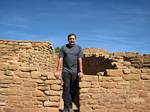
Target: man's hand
<point>80,74</point>
<point>57,75</point>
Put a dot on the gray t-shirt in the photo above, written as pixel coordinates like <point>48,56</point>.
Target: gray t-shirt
<point>71,55</point>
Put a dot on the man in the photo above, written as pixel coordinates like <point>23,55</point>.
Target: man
<point>71,59</point>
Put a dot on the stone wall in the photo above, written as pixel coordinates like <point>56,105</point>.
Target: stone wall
<point>125,90</point>
<point>119,86</point>
<point>27,83</point>
<point>112,82</point>
<point>137,60</point>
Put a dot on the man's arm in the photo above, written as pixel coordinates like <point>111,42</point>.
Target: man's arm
<point>80,68</point>
<point>59,68</point>
<point>80,65</point>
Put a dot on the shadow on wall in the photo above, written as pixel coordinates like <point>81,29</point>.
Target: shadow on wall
<point>93,64</point>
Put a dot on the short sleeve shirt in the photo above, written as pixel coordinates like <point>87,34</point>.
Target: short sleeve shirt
<point>71,55</point>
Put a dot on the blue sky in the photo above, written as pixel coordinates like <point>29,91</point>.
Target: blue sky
<point>115,25</point>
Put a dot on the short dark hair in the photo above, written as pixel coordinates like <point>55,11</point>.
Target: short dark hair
<point>72,34</point>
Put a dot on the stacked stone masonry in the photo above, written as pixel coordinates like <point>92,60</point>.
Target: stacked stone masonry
<point>27,83</point>
<point>113,82</point>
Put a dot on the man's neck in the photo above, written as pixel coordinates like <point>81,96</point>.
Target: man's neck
<point>70,45</point>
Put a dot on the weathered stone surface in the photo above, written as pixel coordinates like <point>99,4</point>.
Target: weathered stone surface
<point>145,76</point>
<point>52,109</point>
<point>6,81</point>
<point>132,77</point>
<point>51,76</point>
<point>9,73</point>
<point>4,66</point>
<point>50,104</point>
<point>55,87</point>
<point>89,78</point>
<point>113,72</point>
<point>43,88</point>
<point>85,108</point>
<point>54,98</point>
<point>23,74</point>
<point>13,67</point>
<point>108,85</point>
<point>126,71</point>
<point>2,103</point>
<point>37,93</point>
<point>147,83</point>
<point>9,109</point>
<point>52,93</point>
<point>28,69</point>
<point>53,82</point>
<point>137,100</point>
<point>135,71</point>
<point>116,79</point>
<point>36,74</point>
<point>85,84</point>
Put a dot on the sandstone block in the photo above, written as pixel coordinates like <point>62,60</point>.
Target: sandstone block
<point>9,73</point>
<point>105,79</point>
<point>114,72</point>
<point>36,74</point>
<point>52,109</point>
<point>52,93</point>
<point>8,109</point>
<point>23,74</point>
<point>39,81</point>
<point>85,84</point>
<point>84,90</point>
<point>129,105</point>
<point>85,96</point>
<point>94,90</point>
<point>95,84</point>
<point>2,103</point>
<point>89,78</point>
<point>137,100</point>
<point>54,98</point>
<point>5,81</point>
<point>43,88</point>
<point>116,79</point>
<point>126,63</point>
<point>132,77</point>
<point>37,93</point>
<point>12,67</point>
<point>123,83</point>
<point>28,69</point>
<point>2,97</point>
<point>143,94</point>
<point>55,87</point>
<point>126,71</point>
<point>109,85</point>
<point>85,108</point>
<point>135,71</point>
<point>25,44</point>
<point>4,66</point>
<point>29,84</point>
<point>144,70</point>
<point>51,104</point>
<point>147,83</point>
<point>42,99</point>
<point>53,82</point>
<point>145,76</point>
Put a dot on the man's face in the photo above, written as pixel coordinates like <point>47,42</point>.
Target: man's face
<point>72,40</point>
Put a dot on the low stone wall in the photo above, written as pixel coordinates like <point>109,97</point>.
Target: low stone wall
<point>27,83</point>
<point>125,90</point>
<point>137,60</point>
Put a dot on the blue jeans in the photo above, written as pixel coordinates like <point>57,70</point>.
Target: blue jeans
<point>70,88</point>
